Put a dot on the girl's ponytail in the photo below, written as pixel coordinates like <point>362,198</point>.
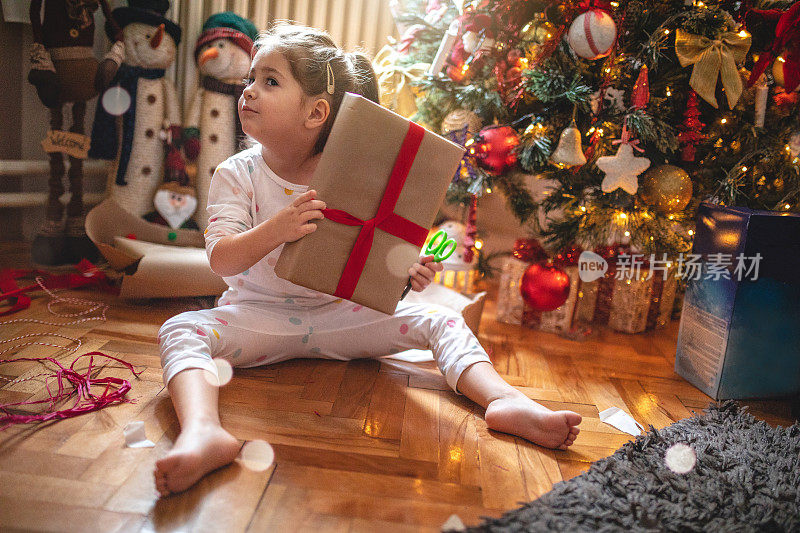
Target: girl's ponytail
<point>366,80</point>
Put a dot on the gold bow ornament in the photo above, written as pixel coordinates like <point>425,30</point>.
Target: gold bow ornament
<point>712,58</point>
<point>395,81</point>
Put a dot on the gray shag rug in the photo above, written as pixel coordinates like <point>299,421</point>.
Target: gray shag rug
<point>745,478</point>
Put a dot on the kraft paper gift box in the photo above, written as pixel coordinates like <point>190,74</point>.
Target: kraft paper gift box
<point>383,179</point>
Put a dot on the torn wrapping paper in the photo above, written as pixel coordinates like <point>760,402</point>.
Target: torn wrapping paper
<point>135,437</point>
<point>454,523</point>
<point>614,416</point>
<point>156,261</point>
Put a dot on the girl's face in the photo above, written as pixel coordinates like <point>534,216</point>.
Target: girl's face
<point>272,105</point>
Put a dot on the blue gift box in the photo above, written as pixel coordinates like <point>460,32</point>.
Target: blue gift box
<point>740,338</point>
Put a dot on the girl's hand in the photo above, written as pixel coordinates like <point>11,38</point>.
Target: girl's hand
<point>292,222</point>
<point>422,273</point>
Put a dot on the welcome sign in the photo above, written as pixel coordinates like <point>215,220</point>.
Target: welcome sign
<point>67,142</point>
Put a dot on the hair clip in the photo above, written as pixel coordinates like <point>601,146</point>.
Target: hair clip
<point>330,79</point>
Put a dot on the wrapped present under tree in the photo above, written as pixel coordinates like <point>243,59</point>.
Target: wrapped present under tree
<point>635,294</point>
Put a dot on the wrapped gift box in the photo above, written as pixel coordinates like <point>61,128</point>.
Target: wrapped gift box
<point>510,305</point>
<point>383,179</point>
<point>629,305</point>
<point>626,305</point>
<point>512,309</point>
<point>740,338</point>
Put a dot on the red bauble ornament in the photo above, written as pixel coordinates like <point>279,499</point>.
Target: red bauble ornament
<point>513,76</point>
<point>544,287</point>
<point>514,56</point>
<point>494,149</point>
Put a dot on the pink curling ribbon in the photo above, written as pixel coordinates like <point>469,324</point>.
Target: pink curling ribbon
<point>115,389</point>
<point>85,401</point>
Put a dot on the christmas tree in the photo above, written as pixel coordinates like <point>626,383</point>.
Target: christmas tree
<point>634,111</point>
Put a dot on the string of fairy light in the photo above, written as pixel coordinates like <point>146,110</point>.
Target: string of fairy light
<point>718,137</point>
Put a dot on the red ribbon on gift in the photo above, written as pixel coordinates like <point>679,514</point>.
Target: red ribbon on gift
<point>385,218</point>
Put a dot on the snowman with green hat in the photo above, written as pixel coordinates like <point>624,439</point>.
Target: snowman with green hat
<point>213,131</point>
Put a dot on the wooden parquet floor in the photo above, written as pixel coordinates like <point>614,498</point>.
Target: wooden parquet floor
<point>367,445</point>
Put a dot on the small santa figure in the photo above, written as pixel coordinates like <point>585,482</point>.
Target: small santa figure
<point>175,203</point>
<point>213,130</point>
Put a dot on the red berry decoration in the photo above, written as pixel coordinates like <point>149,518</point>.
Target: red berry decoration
<point>513,56</point>
<point>544,287</point>
<point>529,250</point>
<point>612,251</point>
<point>494,149</point>
<point>568,256</point>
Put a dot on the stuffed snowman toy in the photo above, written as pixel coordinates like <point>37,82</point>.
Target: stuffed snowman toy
<point>146,101</point>
<point>213,131</point>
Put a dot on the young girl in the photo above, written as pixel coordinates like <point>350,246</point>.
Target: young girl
<point>259,200</point>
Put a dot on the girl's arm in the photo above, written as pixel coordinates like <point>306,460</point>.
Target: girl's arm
<point>236,253</point>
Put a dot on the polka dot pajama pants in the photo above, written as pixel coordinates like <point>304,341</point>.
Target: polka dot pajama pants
<point>254,334</point>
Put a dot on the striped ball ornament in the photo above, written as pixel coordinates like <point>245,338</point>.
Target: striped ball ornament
<point>592,34</point>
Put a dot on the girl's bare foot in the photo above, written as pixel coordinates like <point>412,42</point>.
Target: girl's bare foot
<point>521,416</point>
<point>201,447</point>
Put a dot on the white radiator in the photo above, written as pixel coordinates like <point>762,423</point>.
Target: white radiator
<point>353,24</point>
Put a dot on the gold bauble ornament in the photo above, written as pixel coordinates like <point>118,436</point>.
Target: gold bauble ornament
<point>456,120</point>
<point>539,31</point>
<point>666,188</point>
